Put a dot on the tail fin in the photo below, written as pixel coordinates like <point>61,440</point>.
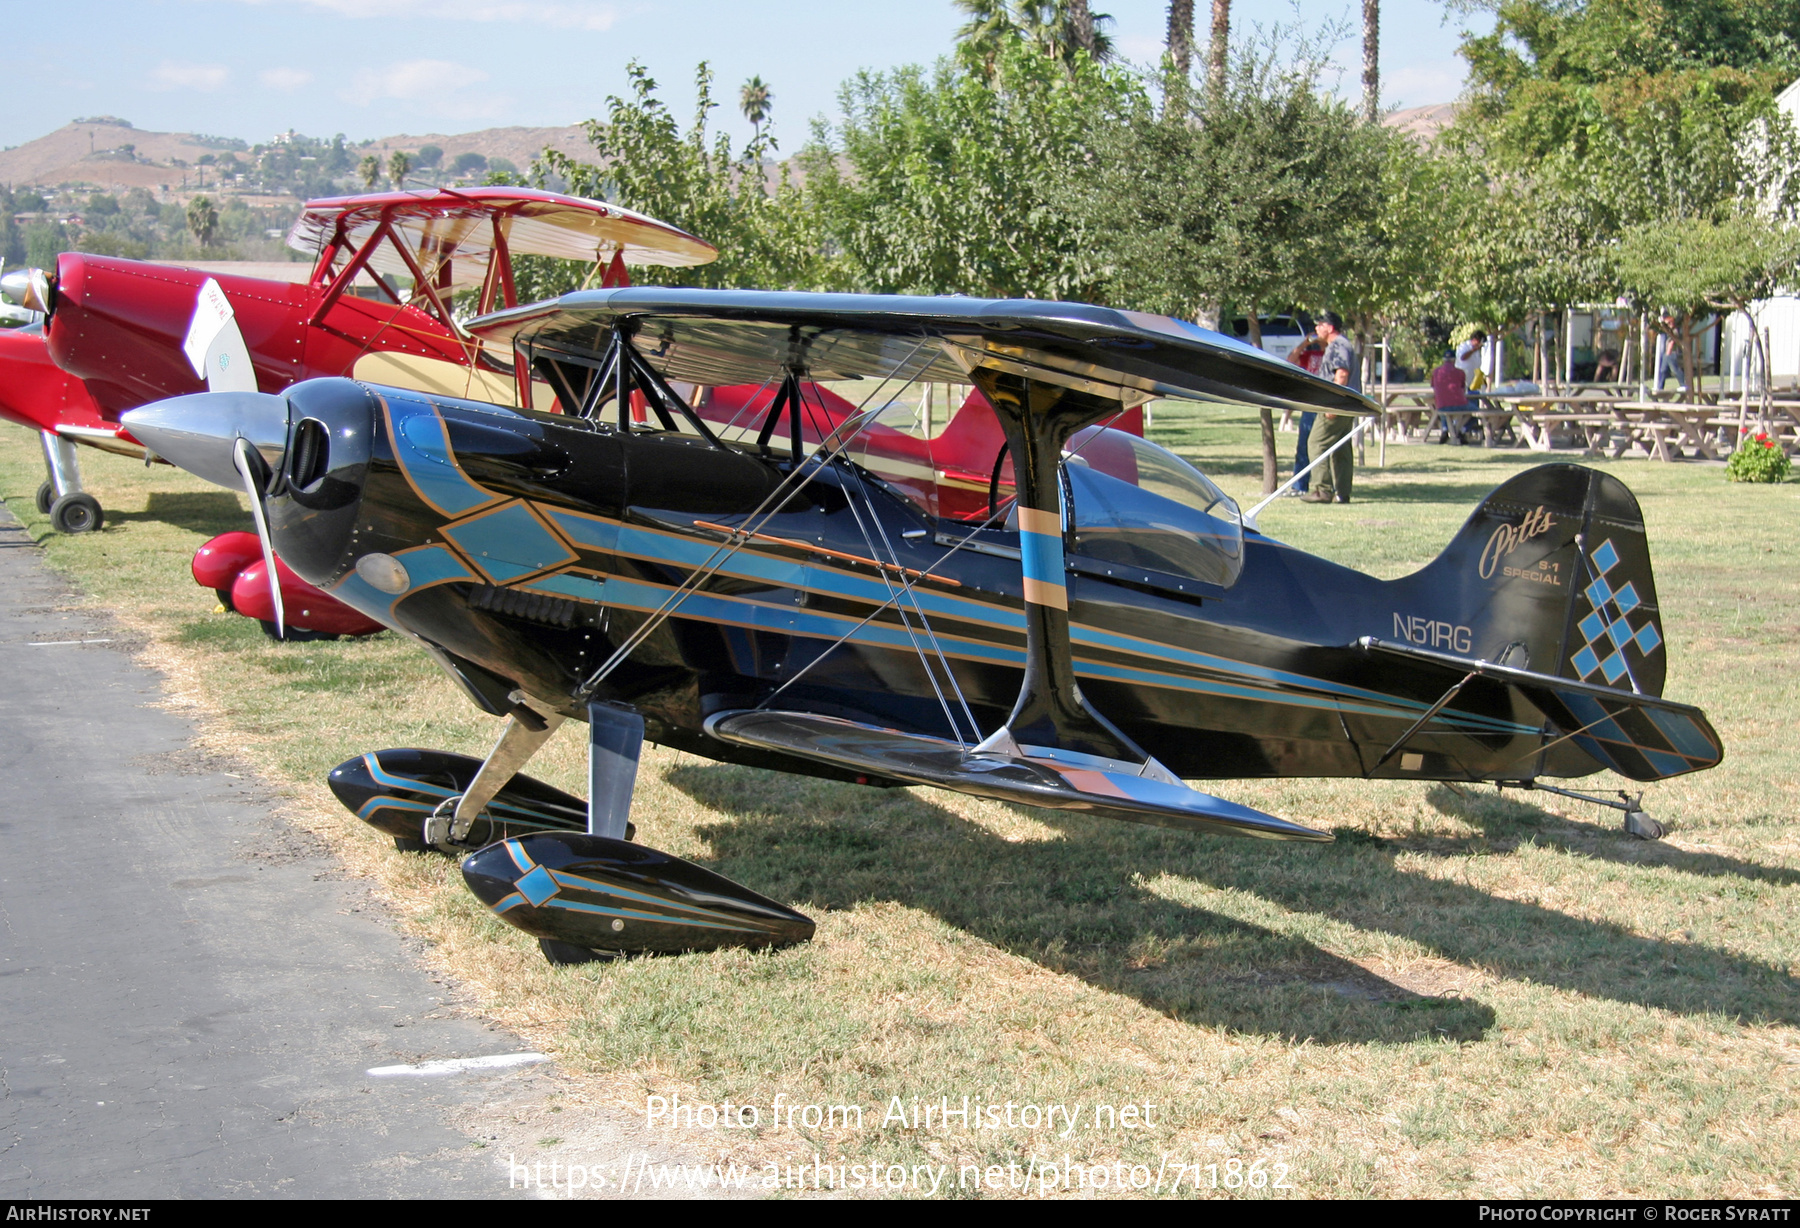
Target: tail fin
<point>1554,565</point>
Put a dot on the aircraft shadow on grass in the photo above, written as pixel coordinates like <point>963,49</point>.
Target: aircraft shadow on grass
<point>1507,823</point>
<point>1075,905</point>
<point>209,512</point>
<point>1078,905</point>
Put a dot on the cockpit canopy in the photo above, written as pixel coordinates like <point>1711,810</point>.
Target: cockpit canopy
<point>1142,507</point>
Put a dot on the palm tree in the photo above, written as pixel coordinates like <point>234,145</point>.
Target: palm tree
<point>399,166</point>
<point>369,170</point>
<point>990,23</point>
<point>754,100</point>
<point>1371,99</point>
<point>1081,25</point>
<point>1061,28</point>
<point>202,220</point>
<point>1058,28</point>
<point>1181,37</point>
<point>1218,54</point>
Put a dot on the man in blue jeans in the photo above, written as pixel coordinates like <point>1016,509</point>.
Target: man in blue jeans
<point>1306,356</point>
<point>1341,366</point>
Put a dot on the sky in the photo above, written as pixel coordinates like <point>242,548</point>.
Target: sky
<point>372,68</point>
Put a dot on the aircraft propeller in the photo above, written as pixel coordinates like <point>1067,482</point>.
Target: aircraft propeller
<point>29,288</point>
<point>257,480</point>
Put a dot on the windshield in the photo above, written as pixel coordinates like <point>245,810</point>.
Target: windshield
<point>1141,506</point>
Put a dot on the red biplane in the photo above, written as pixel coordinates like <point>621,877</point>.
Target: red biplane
<point>379,305</point>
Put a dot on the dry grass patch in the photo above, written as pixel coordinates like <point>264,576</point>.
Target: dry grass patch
<point>1468,993</point>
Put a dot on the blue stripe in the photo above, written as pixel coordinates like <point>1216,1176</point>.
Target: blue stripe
<point>572,906</point>
<point>1042,556</point>
<point>421,445</point>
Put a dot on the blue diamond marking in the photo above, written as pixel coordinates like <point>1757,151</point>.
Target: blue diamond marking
<point>1606,558</point>
<point>1592,626</point>
<point>1598,593</point>
<point>1683,734</point>
<point>1620,633</point>
<point>1613,667</point>
<point>537,886</point>
<point>1648,640</point>
<point>1627,598</point>
<point>1586,662</point>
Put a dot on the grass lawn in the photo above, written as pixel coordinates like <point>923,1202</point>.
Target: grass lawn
<point>1466,994</point>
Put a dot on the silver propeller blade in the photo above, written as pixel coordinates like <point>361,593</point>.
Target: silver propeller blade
<point>240,454</point>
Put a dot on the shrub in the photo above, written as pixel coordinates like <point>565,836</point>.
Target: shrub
<point>1757,459</point>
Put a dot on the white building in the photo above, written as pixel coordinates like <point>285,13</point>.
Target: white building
<point>1778,318</point>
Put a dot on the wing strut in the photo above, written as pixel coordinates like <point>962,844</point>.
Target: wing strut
<point>1051,714</point>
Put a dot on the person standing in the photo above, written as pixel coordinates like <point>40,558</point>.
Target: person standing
<point>1468,360</point>
<point>1669,358</point>
<point>1339,365</point>
<point>1306,356</point>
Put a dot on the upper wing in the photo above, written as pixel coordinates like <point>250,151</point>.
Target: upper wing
<point>460,225</point>
<point>747,336</point>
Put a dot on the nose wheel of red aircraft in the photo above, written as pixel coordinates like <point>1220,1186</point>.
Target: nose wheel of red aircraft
<point>71,509</point>
<point>76,513</point>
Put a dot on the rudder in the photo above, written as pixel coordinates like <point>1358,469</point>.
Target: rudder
<point>1555,565</point>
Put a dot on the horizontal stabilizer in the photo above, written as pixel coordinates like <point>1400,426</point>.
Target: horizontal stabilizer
<point>1030,781</point>
<point>1641,737</point>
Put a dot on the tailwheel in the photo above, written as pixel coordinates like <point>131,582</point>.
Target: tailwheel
<point>76,513</point>
<point>46,498</point>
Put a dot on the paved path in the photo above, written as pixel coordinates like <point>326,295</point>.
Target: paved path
<point>189,993</point>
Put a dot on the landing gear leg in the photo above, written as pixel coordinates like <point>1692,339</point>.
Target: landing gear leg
<point>71,510</point>
<point>526,730</point>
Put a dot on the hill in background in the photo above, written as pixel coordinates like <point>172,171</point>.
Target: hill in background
<point>108,154</point>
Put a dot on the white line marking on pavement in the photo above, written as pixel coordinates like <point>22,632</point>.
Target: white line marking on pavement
<point>60,643</point>
<point>456,1065</point>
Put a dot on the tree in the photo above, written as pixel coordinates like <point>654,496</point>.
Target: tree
<point>1060,29</point>
<point>1081,26</point>
<point>1247,202</point>
<point>1179,42</point>
<point>202,220</point>
<point>989,27</point>
<point>1689,266</point>
<point>1218,56</point>
<point>369,171</point>
<point>399,167</point>
<point>430,156</point>
<point>754,100</point>
<point>467,163</point>
<point>696,181</point>
<point>955,181</point>
<point>1371,72</point>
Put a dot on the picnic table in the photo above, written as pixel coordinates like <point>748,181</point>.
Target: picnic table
<point>1586,415</point>
<point>1652,425</point>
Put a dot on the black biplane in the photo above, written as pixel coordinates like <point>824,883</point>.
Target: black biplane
<point>742,539</point>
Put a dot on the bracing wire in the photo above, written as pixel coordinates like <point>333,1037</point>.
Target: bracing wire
<point>995,516</point>
<point>913,635</point>
<point>805,469</point>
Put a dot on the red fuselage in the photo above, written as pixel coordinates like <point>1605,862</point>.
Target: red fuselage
<point>118,325</point>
